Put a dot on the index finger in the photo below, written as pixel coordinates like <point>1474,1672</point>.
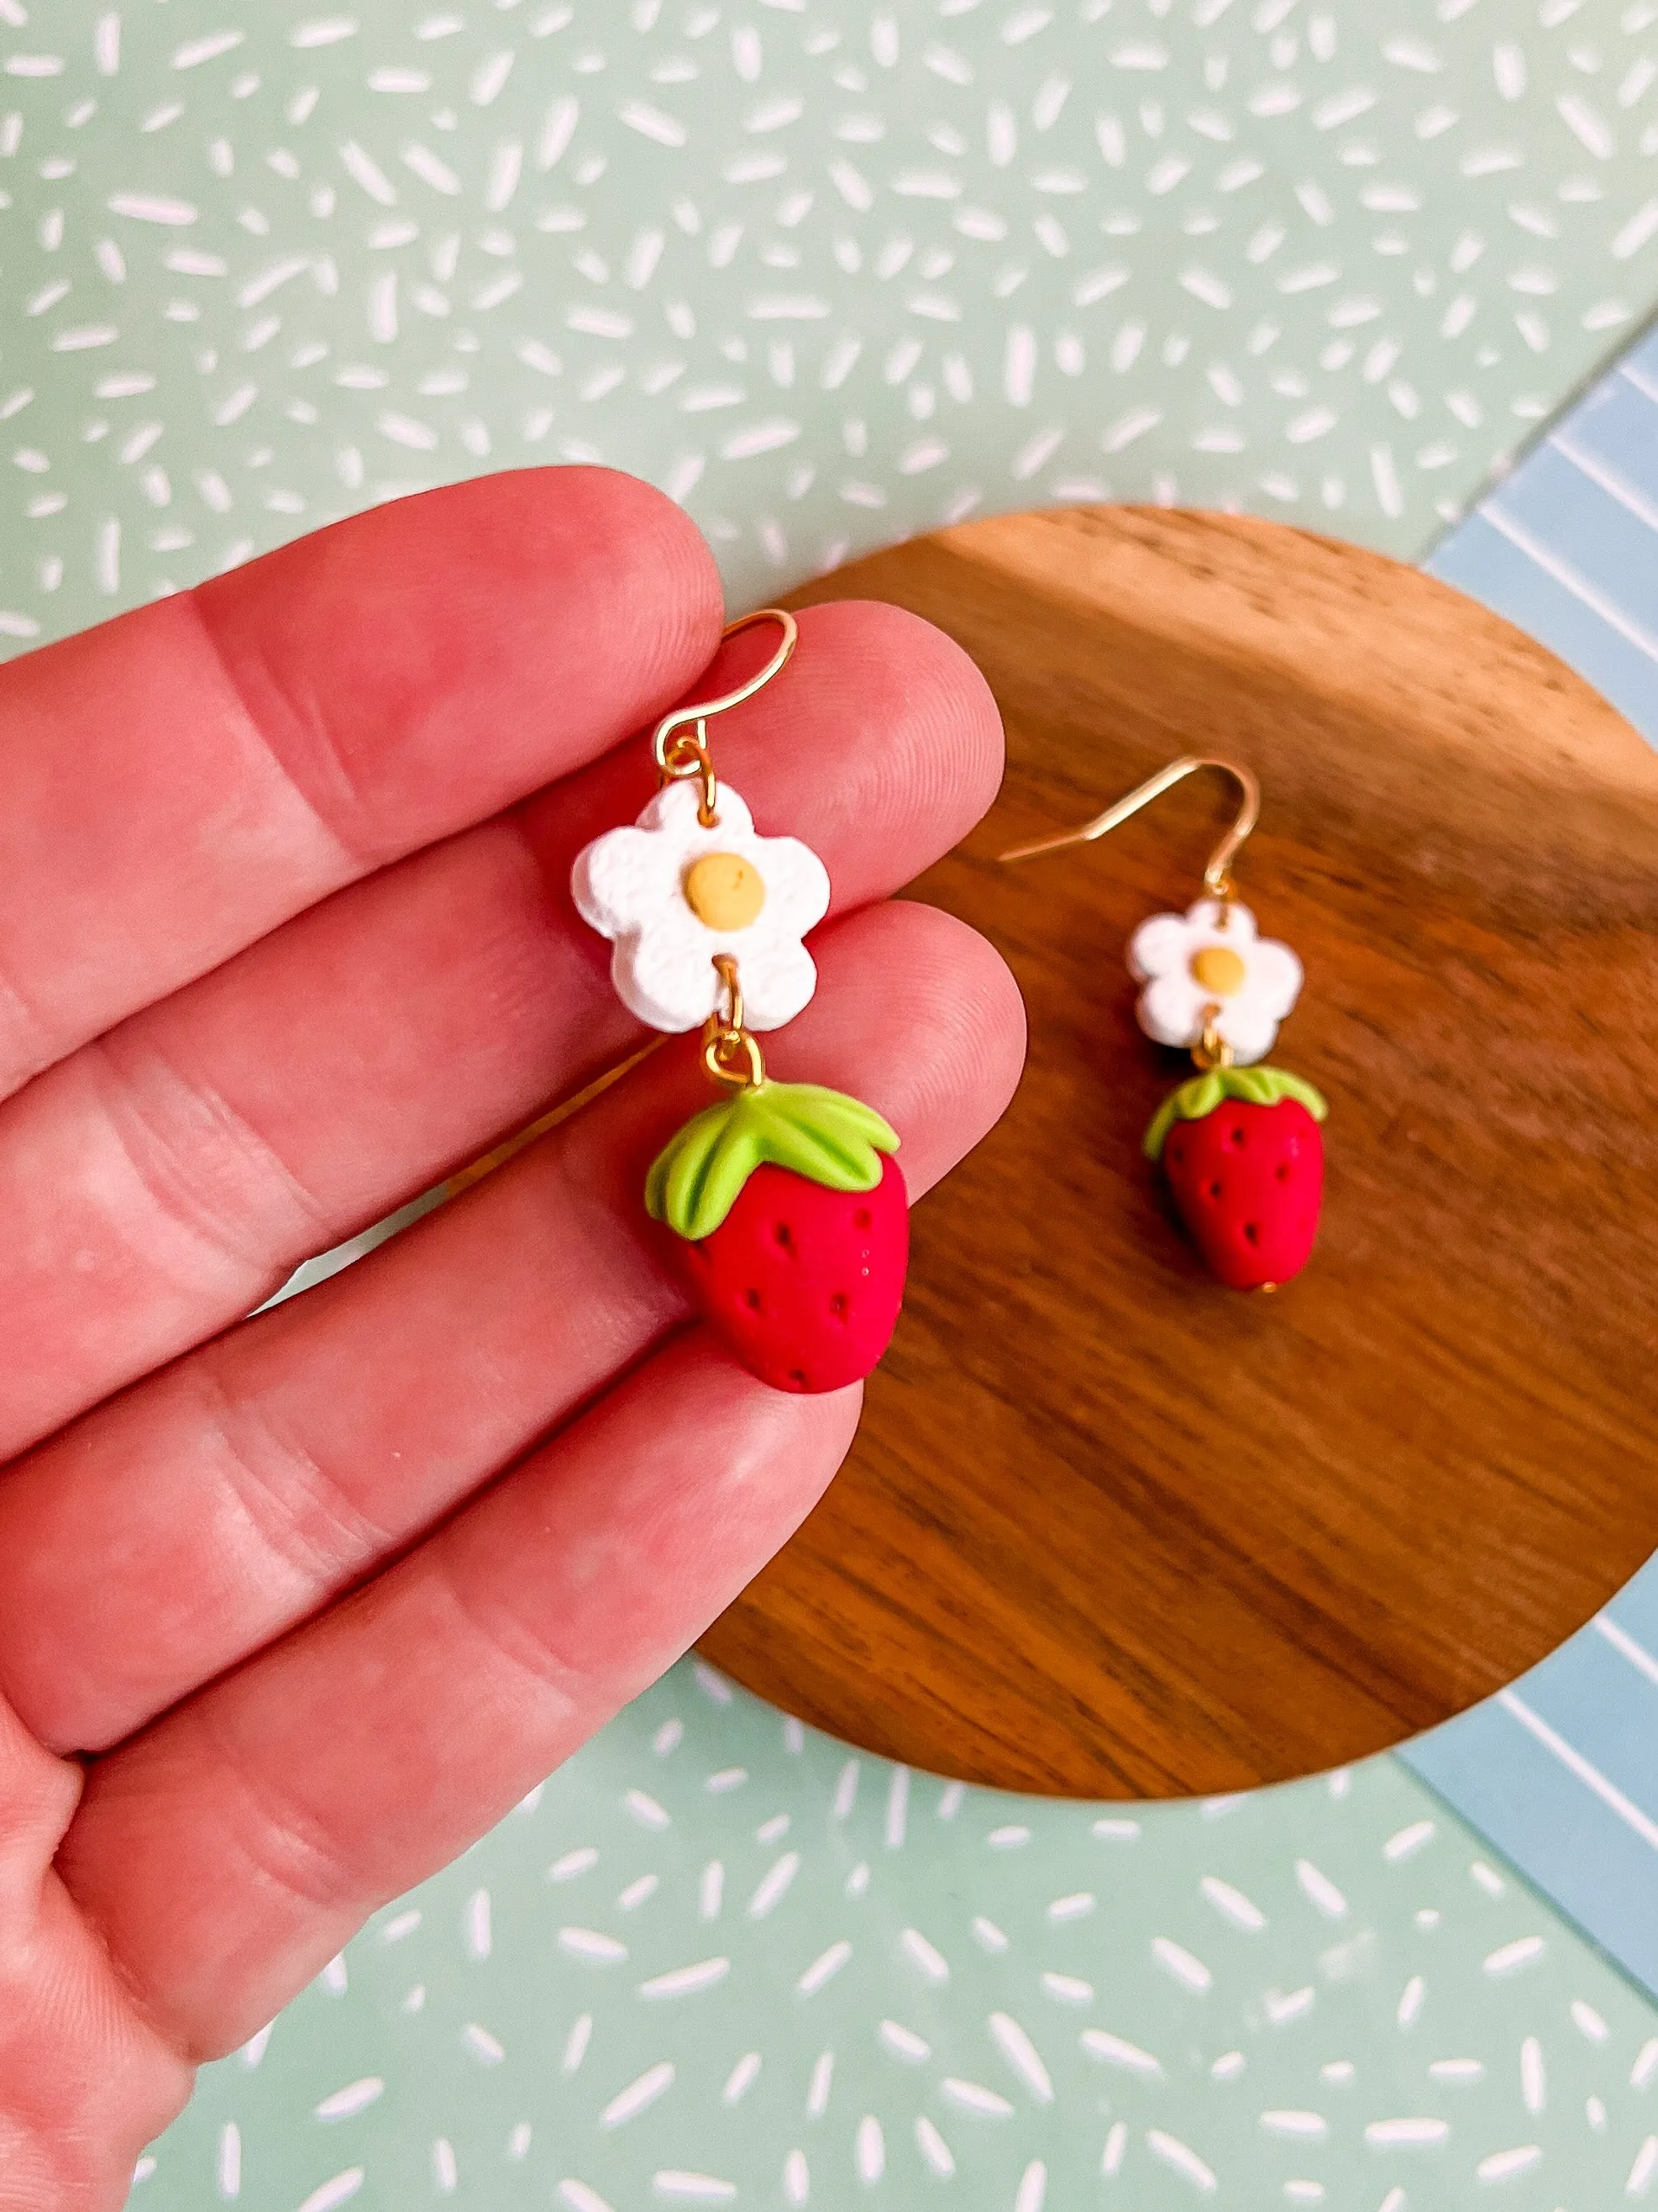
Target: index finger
<point>179,780</point>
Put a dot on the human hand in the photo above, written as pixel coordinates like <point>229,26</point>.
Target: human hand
<point>294,1608</point>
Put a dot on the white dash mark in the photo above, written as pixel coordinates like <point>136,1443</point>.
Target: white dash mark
<point>950,1800</point>
<point>711,1892</point>
<point>903,2042</point>
<point>1645,2165</point>
<point>197,51</point>
<point>1077,1906</point>
<point>1320,1890</point>
<point>579,2198</point>
<point>256,2046</point>
<point>152,207</point>
<point>651,122</point>
<point>356,2097</point>
<point>988,1935</point>
<point>1232,1904</point>
<point>639,2095</point>
<point>1019,367</point>
<point>846,1791</point>
<point>693,2188</point>
<point>973,2096</point>
<point>1174,1958</point>
<point>1229,2066</point>
<point>365,172</point>
<point>898,1800</point>
<point>796,2178</point>
<point>1116,2143</point>
<point>1534,2081</point>
<point>871,2149</point>
<point>646,1810</point>
<point>1406,1842</point>
<point>343,2187</point>
<point>1281,2009</point>
<point>1644,2072</point>
<point>230,2161</point>
<point>1181,2157</point>
<point>823,1969</point>
<point>1505,2165</point>
<point>106,572</point>
<point>741,2078</point>
<point>933,1963</point>
<point>1410,2001</point>
<point>934,2150</point>
<point>817,2090</point>
<point>1012,1838</point>
<point>774,1886</point>
<point>483,2047</point>
<point>1115,1831</point>
<point>1032,2192</point>
<point>444,2173</point>
<point>1405,2135</point>
<point>1588,2022</point>
<point>324,31</point>
<point>578,1862</point>
<point>1117,2050</point>
<point>106,45</point>
<point>1508,1957</point>
<point>576,2042</point>
<point>1068,1989</point>
<point>588,1944</point>
<point>1307,2127</point>
<point>1022,2055</point>
<point>479,1939</point>
<point>685,1981</point>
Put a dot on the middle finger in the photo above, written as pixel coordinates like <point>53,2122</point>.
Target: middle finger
<point>164,1180</point>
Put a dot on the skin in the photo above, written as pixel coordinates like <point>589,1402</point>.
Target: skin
<point>293,1608</point>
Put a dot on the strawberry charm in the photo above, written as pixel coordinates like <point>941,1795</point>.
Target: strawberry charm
<point>1243,1156</point>
<point>790,1215</point>
<point>1240,1144</point>
<point>795,1229</point>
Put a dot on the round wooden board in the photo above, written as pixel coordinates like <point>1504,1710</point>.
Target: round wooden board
<point>1109,1529</point>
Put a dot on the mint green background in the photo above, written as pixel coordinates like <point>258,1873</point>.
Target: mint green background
<point>832,273</point>
<point>1386,1950</point>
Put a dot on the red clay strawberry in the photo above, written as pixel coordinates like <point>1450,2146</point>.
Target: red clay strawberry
<point>795,1230</point>
<point>1244,1158</point>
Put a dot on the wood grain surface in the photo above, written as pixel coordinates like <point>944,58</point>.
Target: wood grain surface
<point>1109,1529</point>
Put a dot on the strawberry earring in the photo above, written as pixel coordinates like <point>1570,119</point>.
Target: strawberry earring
<point>1239,1143</point>
<point>789,1215</point>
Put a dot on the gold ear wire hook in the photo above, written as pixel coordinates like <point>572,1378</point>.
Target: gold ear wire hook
<point>1217,876</point>
<point>679,755</point>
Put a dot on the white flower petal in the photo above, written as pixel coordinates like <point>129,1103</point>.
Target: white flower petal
<point>779,978</point>
<point>1212,921</point>
<point>618,879</point>
<point>1159,946</point>
<point>1249,1025</point>
<point>1170,1009</point>
<point>667,976</point>
<point>797,884</point>
<point>1276,973</point>
<point>675,812</point>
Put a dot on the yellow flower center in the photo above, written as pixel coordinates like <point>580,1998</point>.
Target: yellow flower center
<point>724,890</point>
<point>1219,970</point>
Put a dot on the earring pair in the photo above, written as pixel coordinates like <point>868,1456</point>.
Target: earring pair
<point>1239,1143</point>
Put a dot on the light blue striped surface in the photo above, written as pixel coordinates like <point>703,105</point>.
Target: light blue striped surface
<point>1561,1771</point>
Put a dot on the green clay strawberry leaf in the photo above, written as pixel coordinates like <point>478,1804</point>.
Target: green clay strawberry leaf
<point>1257,1086</point>
<point>823,1135</point>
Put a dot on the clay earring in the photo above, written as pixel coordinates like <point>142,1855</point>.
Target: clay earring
<point>789,1215</point>
<point>1239,1143</point>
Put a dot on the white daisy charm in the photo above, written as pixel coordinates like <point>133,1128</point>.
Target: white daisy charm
<point>671,893</point>
<point>1208,964</point>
